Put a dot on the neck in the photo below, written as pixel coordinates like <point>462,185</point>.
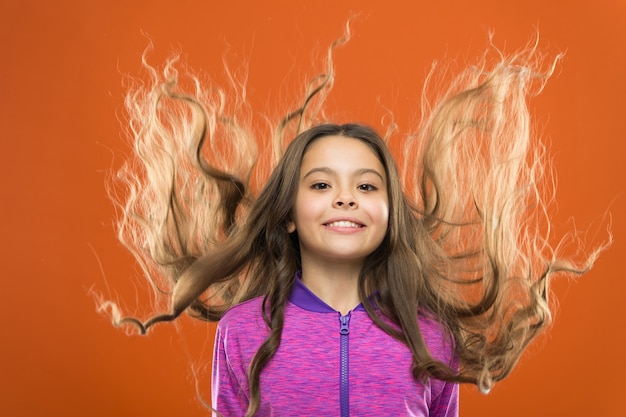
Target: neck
<point>335,284</point>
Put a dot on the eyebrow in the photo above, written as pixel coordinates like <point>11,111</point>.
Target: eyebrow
<point>358,172</point>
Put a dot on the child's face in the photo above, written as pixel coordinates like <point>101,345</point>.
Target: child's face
<point>342,205</point>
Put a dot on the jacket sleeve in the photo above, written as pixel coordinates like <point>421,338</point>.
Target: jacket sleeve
<point>229,384</point>
<point>445,395</point>
<point>446,404</point>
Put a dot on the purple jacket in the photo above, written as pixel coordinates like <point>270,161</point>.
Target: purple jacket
<point>327,365</point>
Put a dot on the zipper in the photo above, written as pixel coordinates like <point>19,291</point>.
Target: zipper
<point>344,399</point>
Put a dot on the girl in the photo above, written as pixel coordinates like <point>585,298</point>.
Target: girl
<point>344,287</point>
<point>336,346</point>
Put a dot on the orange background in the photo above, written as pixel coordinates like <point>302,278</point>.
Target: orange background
<point>61,95</point>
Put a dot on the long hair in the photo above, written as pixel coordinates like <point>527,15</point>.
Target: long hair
<point>468,234</point>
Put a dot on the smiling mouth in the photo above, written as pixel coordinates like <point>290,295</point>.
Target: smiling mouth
<point>344,223</point>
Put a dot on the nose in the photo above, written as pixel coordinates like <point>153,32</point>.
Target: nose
<point>345,199</point>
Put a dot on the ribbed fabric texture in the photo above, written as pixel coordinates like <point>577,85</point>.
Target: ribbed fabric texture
<point>303,378</point>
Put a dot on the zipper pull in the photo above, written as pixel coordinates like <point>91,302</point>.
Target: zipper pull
<point>344,324</point>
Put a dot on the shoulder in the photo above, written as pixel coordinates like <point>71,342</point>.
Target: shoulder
<point>242,315</point>
<point>241,331</point>
<point>437,337</point>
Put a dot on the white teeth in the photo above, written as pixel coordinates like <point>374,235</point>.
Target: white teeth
<point>344,223</point>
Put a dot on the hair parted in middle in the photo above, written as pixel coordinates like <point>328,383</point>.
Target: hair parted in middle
<point>468,232</point>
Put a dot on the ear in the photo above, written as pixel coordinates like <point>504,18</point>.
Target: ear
<point>291,226</point>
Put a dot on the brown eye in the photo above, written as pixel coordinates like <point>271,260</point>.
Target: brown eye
<point>320,186</point>
<point>367,187</point>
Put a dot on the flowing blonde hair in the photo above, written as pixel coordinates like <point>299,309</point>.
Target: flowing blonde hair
<point>468,239</point>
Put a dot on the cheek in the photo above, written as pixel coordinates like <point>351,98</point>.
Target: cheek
<point>383,212</point>
<point>312,209</point>
<point>379,213</point>
<point>304,213</point>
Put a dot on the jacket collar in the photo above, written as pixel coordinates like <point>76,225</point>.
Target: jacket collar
<point>305,299</point>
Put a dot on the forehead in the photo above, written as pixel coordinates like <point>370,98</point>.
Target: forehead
<point>341,151</point>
